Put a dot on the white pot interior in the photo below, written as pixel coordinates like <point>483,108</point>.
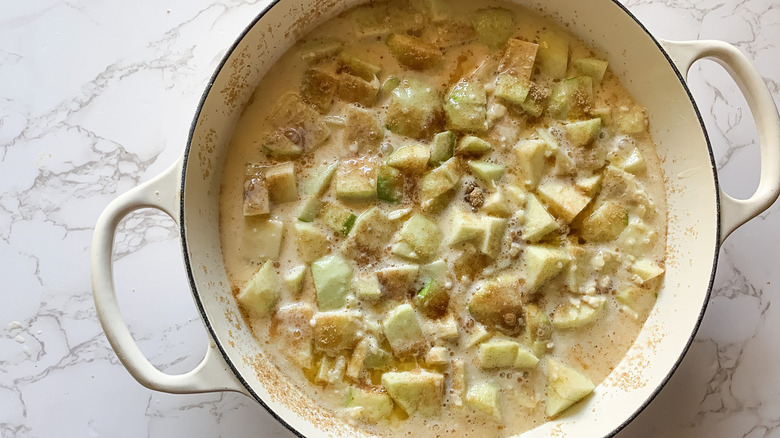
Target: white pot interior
<point>691,192</point>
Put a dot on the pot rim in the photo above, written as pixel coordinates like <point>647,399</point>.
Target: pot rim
<point>213,333</point>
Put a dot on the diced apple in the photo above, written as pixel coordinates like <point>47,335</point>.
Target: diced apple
<point>311,241</point>
<point>538,222</point>
<point>494,26</point>
<point>255,193</point>
<point>362,129</point>
<point>497,353</point>
<point>592,67</point>
<point>402,330</point>
<point>292,323</point>
<point>413,52</point>
<point>371,232</point>
<point>519,58</point>
<point>472,146</point>
<point>530,162</point>
<point>413,109</point>
<point>498,303</point>
<point>564,200</point>
<point>370,404</point>
<point>542,263</point>
<point>465,227</point>
<point>416,392</point>
<point>565,386</point>
<point>280,180</point>
<point>293,279</point>
<point>422,235</point>
<point>494,235</point>
<point>646,269</point>
<point>262,238</point>
<point>397,282</point>
<point>571,315</point>
<point>261,293</point>
<point>356,180</point>
<point>332,277</point>
<point>442,147</point>
<point>367,288</point>
<point>487,171</point>
<point>584,132</point>
<point>437,186</point>
<point>432,300</point>
<point>605,223</point>
<point>553,54</point>
<point>437,356</point>
<point>336,331</point>
<point>410,159</point>
<point>484,397</point>
<point>465,107</point>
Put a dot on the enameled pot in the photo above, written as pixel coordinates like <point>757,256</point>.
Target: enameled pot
<point>701,216</point>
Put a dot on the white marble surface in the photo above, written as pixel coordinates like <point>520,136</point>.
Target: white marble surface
<point>97,96</point>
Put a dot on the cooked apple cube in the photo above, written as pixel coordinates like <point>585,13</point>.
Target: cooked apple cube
<point>472,146</point>
<point>494,235</point>
<point>410,159</point>
<point>538,329</point>
<point>497,353</point>
<point>564,200</point>
<point>458,388</point>
<point>331,370</point>
<point>484,398</point>
<point>465,227</point>
<point>553,55</point>
<point>367,288</point>
<point>536,102</point>
<point>465,107</point>
<point>494,26</point>
<point>294,116</point>
<point>542,263</point>
<point>358,66</point>
<point>538,222</point>
<point>280,180</point>
<point>332,277</point>
<point>355,89</point>
<point>432,300</point>
<point>261,293</point>
<point>413,52</point>
<point>442,147</point>
<point>512,89</point>
<point>413,109</point>
<point>337,330</point>
<point>402,330</point>
<point>444,329</point>
<point>571,315</point>
<point>437,356</point>
<point>519,58</point>
<point>635,163</point>
<point>571,97</point>
<point>389,184</point>
<point>398,281</point>
<point>565,386</point>
<point>416,392</point>
<point>498,204</point>
<point>498,303</point>
<point>311,241</point>
<point>293,279</point>
<point>262,238</point>
<point>646,269</point>
<point>337,217</point>
<point>592,67</point>
<point>309,209</point>
<point>437,186</point>
<point>356,180</point>
<point>605,224</point>
<point>292,323</point>
<point>525,359</point>
<point>255,193</point>
<point>318,87</point>
<point>590,185</point>
<point>632,121</point>
<point>362,130</point>
<point>422,235</point>
<point>369,404</point>
<point>629,296</point>
<point>372,232</point>
<point>487,171</point>
<point>316,50</point>
<point>530,162</point>
<point>320,180</point>
<point>584,132</point>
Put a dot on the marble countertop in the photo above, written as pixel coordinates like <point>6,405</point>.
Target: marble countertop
<point>98,96</point>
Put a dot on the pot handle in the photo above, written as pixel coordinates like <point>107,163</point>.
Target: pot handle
<point>212,373</point>
<point>735,212</point>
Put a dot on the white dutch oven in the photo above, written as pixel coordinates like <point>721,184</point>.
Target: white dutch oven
<point>700,214</point>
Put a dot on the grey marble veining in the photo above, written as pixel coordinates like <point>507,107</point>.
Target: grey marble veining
<point>96,97</point>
